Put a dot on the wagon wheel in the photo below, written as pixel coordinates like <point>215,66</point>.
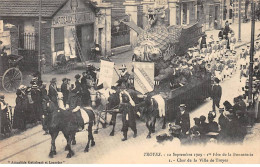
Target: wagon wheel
<point>12,79</point>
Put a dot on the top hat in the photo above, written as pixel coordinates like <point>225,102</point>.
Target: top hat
<point>123,67</point>
<point>77,76</point>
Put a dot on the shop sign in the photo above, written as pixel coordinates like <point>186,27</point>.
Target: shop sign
<point>74,19</point>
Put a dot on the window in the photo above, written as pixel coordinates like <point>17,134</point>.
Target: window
<point>59,39</point>
<point>185,8</point>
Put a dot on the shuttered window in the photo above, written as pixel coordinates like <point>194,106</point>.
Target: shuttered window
<point>59,39</point>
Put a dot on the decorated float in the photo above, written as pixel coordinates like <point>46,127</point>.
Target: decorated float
<point>160,63</point>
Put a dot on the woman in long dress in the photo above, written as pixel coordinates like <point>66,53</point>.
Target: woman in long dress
<point>19,113</point>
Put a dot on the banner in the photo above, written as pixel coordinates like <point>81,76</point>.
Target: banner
<point>143,76</point>
<point>106,74</point>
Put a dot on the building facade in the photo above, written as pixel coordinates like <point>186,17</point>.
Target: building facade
<point>61,19</point>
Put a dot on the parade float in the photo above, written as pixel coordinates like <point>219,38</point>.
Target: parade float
<point>157,57</point>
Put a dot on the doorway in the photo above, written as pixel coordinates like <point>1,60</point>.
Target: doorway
<point>85,34</point>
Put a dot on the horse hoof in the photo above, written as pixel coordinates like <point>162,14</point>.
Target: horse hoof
<point>74,142</point>
<point>93,143</point>
<point>112,134</point>
<point>68,155</point>
<point>86,150</point>
<point>51,155</point>
<point>96,132</point>
<point>148,137</point>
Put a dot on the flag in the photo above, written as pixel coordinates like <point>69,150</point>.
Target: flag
<point>106,73</point>
<point>143,76</point>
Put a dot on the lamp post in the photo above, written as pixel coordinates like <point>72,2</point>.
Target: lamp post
<point>39,36</point>
<point>251,52</point>
<point>239,21</point>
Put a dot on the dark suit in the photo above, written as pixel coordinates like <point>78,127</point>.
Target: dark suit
<point>85,92</point>
<point>183,120</point>
<point>216,96</point>
<point>127,112</point>
<point>65,93</point>
<point>53,94</point>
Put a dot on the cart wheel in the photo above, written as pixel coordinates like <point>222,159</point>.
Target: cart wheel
<point>12,79</point>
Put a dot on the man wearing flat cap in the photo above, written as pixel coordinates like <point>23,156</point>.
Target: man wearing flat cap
<point>183,119</point>
<point>53,92</point>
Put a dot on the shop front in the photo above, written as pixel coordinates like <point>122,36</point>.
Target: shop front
<point>76,29</point>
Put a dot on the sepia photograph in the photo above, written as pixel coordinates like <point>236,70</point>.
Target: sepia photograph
<point>129,82</point>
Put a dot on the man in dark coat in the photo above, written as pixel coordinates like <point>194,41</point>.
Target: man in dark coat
<point>45,110</point>
<point>223,122</point>
<point>212,125</point>
<point>53,92</point>
<point>85,92</point>
<point>65,90</point>
<point>78,84</point>
<point>203,43</point>
<point>73,105</point>
<point>183,119</point>
<point>36,97</point>
<point>128,115</point>
<point>216,94</point>
<point>220,34</point>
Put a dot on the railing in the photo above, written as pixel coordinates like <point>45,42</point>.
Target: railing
<point>27,41</point>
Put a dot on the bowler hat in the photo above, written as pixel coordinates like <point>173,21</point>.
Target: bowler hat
<point>123,67</point>
<point>216,80</point>
<point>2,96</point>
<point>53,80</point>
<point>64,79</point>
<point>202,118</point>
<point>77,76</point>
<point>18,92</point>
<point>211,114</point>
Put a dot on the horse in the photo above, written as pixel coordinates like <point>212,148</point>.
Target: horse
<point>151,111</point>
<point>110,100</point>
<point>64,120</point>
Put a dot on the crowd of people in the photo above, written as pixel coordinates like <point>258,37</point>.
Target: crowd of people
<point>31,100</point>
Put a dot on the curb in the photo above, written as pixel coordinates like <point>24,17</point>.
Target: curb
<point>245,43</point>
